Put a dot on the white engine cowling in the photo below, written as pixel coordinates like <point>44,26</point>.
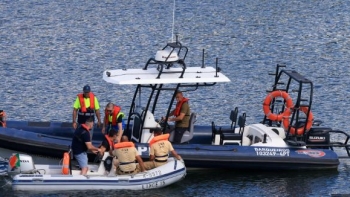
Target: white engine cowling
<point>162,56</point>
<point>26,164</point>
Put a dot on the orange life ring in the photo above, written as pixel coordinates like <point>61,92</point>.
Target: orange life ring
<point>300,130</point>
<point>268,100</point>
<point>65,163</point>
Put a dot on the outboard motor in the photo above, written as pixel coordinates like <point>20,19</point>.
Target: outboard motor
<point>20,163</point>
<point>318,135</point>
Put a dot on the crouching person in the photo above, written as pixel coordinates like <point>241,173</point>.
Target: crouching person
<point>107,145</point>
<point>160,148</point>
<point>127,156</point>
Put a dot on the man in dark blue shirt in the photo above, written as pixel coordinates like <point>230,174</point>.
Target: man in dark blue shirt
<point>81,143</point>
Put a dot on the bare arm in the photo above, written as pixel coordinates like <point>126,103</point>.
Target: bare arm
<point>75,111</point>
<point>140,161</point>
<point>102,150</point>
<point>151,157</point>
<point>120,131</point>
<point>174,153</point>
<point>98,115</point>
<point>91,147</point>
<point>104,125</point>
<point>178,118</point>
<point>172,113</point>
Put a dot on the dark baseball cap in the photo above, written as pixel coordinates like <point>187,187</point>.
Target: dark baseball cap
<point>86,89</point>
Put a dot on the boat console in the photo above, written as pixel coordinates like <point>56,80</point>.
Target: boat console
<point>159,80</point>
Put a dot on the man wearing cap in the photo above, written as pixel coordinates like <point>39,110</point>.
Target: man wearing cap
<point>85,106</point>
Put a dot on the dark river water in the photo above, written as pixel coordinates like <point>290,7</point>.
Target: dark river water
<point>50,49</point>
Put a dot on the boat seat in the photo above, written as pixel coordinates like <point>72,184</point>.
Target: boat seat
<point>230,138</point>
<point>149,121</point>
<point>234,137</point>
<point>188,135</point>
<point>136,127</point>
<point>241,123</point>
<point>233,118</point>
<point>216,135</point>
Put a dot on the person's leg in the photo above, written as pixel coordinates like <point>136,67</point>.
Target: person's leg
<point>179,132</point>
<point>82,160</point>
<point>157,164</point>
<point>149,165</point>
<point>137,169</point>
<point>115,164</point>
<point>119,172</point>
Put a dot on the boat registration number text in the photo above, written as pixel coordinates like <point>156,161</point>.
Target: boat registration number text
<point>152,174</point>
<point>155,184</point>
<point>272,152</point>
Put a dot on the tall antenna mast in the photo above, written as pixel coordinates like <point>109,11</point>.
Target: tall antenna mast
<point>172,31</point>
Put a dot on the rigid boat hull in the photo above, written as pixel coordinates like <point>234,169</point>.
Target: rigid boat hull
<point>241,157</point>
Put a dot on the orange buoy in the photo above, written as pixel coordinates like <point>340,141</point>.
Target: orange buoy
<point>268,100</point>
<point>299,131</point>
<point>65,166</point>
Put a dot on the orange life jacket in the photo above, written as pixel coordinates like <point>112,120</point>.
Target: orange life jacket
<point>82,102</point>
<point>159,138</point>
<point>2,118</point>
<point>179,105</point>
<point>85,127</point>
<point>114,116</point>
<point>111,144</point>
<point>124,145</point>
